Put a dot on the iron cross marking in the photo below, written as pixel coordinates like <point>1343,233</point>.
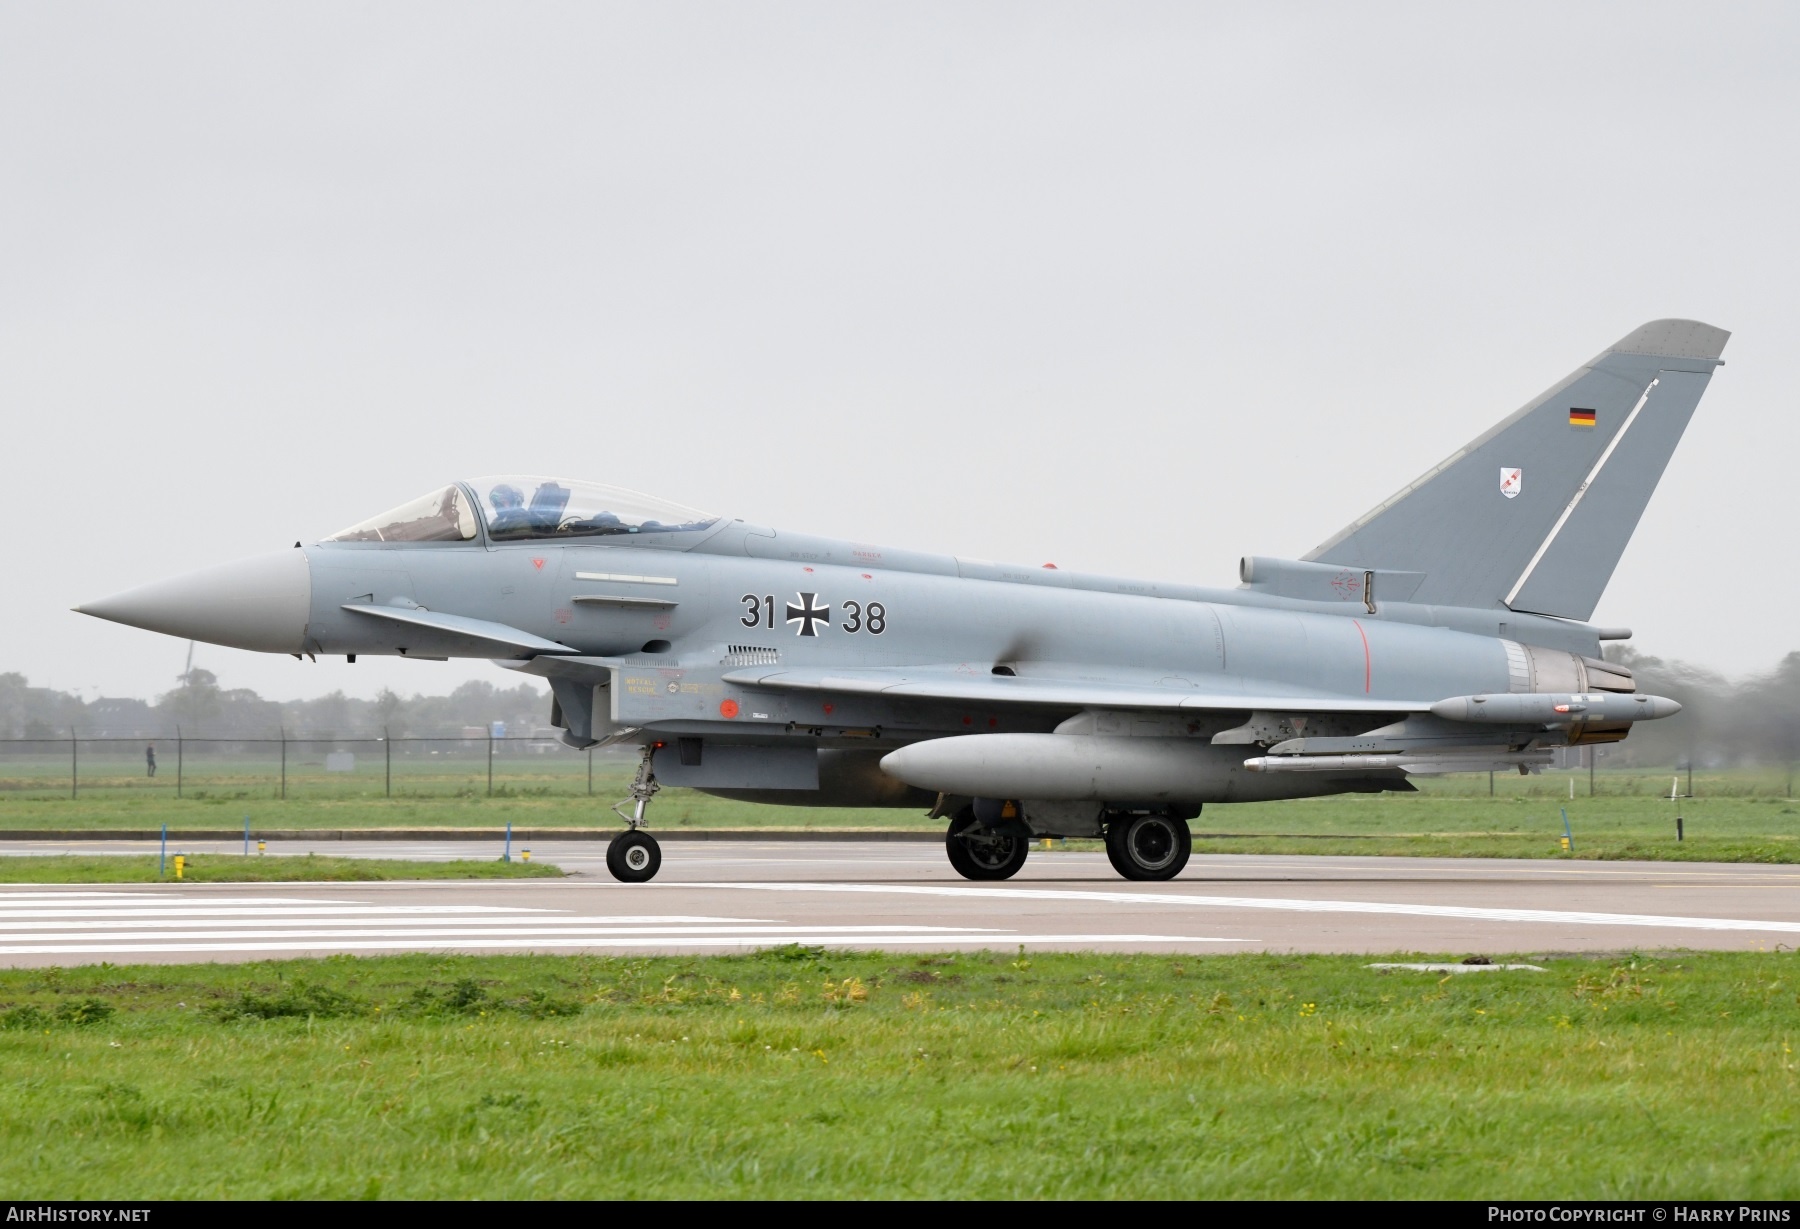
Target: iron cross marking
<point>808,615</point>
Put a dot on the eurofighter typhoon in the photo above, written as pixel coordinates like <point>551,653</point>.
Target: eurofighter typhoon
<point>1445,631</point>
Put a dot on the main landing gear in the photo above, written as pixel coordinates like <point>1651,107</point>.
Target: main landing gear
<point>986,851</point>
<point>1153,846</point>
<point>990,840</point>
<point>634,856</point>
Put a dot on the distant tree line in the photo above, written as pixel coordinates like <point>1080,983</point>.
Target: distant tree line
<point>1722,723</point>
<point>199,708</point>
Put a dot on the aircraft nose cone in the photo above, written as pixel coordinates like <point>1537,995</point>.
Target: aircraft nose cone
<point>260,604</point>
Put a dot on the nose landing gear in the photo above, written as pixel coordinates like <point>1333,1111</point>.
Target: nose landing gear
<point>634,856</point>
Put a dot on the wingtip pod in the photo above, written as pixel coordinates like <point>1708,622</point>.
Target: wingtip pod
<point>1554,709</point>
<point>1674,339</point>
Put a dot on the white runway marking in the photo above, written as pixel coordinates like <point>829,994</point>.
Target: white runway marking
<point>1005,940</point>
<point>542,926</point>
<point>422,915</point>
<point>99,923</point>
<point>1463,912</point>
<point>283,909</point>
<point>471,925</point>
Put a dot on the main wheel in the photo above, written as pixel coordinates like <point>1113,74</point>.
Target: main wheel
<point>984,853</point>
<point>1148,846</point>
<point>634,857</point>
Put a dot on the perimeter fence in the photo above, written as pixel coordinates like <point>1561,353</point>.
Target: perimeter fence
<point>286,767</point>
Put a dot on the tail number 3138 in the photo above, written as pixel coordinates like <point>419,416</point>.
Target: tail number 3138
<point>870,617</point>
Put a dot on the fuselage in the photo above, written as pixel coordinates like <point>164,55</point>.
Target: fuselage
<point>814,602</point>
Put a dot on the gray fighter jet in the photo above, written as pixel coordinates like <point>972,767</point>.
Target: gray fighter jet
<point>1445,631</point>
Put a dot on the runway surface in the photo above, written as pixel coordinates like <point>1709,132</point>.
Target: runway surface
<point>718,896</point>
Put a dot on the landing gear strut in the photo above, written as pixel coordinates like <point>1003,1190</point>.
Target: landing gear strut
<point>1153,846</point>
<point>634,856</point>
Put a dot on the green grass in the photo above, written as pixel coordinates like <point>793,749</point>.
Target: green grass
<point>1738,816</point>
<point>802,1073</point>
<point>224,769</point>
<point>1723,827</point>
<point>673,808</point>
<point>216,868</point>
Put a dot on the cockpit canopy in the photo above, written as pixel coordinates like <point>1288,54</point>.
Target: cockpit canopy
<point>519,508</point>
<point>442,516</point>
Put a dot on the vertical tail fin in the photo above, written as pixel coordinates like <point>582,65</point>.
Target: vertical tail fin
<point>1534,514</point>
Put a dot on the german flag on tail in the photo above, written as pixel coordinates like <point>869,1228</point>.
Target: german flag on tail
<point>1581,418</point>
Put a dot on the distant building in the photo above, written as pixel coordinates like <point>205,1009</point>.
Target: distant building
<point>120,718</point>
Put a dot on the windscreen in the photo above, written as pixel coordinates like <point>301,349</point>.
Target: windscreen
<point>442,516</point>
<point>518,508</point>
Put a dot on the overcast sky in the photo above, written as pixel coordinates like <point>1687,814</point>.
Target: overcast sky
<point>1137,288</point>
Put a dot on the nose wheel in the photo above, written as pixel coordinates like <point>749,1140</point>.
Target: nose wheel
<point>634,857</point>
